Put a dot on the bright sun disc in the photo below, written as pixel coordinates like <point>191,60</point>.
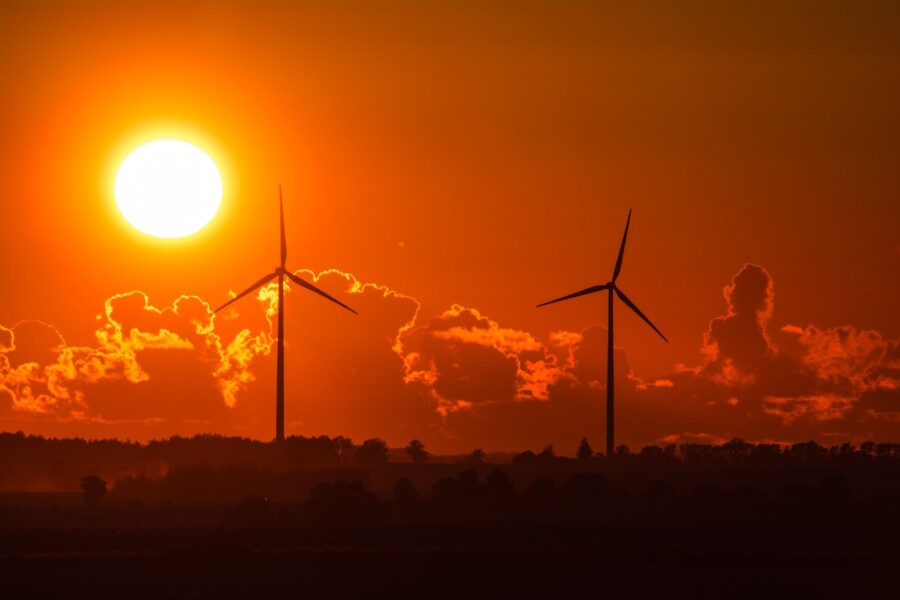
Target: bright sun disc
<point>168,188</point>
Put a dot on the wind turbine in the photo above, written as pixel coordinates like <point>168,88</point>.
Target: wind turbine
<point>281,272</point>
<point>613,288</point>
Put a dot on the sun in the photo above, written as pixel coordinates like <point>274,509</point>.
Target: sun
<point>168,188</point>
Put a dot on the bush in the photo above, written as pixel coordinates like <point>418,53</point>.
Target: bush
<point>342,502</point>
<point>94,489</point>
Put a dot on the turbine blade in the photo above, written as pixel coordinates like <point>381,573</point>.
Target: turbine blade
<point>252,288</point>
<point>313,288</point>
<point>283,240</point>
<point>621,249</point>
<point>590,290</point>
<point>631,305</point>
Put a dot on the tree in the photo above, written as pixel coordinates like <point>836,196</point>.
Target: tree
<point>417,452</point>
<point>867,448</point>
<point>524,458</point>
<point>344,447</point>
<point>474,459</point>
<point>652,455</point>
<point>499,487</point>
<point>373,451</point>
<point>585,452</point>
<point>737,450</point>
<point>405,490</point>
<point>94,489</point>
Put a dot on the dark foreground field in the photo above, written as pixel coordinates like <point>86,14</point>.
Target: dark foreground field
<point>625,546</point>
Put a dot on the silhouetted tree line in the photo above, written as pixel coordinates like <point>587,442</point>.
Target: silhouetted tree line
<point>498,486</point>
<point>350,501</point>
<point>736,453</point>
<point>468,486</point>
<point>204,478</point>
<point>329,502</point>
<point>24,454</point>
<point>207,457</point>
<point>342,502</point>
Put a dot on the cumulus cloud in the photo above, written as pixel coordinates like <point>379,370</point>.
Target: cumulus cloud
<point>6,339</point>
<point>181,369</point>
<point>462,358</point>
<point>737,343</point>
<point>457,380</point>
<point>502,387</point>
<point>34,366</point>
<point>791,383</point>
<point>43,375</point>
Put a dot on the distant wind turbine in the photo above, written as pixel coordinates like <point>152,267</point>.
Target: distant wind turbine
<point>281,272</point>
<point>611,286</point>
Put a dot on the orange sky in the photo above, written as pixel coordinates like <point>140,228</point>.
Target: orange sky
<point>468,160</point>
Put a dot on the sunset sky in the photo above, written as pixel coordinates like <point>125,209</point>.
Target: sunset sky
<point>445,167</point>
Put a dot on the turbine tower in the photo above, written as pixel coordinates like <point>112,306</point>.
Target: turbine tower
<point>610,376</point>
<point>281,272</point>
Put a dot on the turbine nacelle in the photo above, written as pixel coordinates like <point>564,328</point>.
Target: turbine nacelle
<point>282,271</point>
<point>612,287</point>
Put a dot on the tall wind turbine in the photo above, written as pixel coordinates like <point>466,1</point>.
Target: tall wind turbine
<point>281,272</point>
<point>613,288</point>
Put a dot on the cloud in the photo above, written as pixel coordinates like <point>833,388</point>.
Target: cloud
<point>29,386</point>
<point>6,340</point>
<point>791,383</point>
<point>737,343</point>
<point>822,407</point>
<point>501,387</point>
<point>42,375</point>
<point>181,369</point>
<point>848,358</point>
<point>463,358</point>
<point>457,380</point>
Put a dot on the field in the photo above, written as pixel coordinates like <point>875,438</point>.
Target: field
<point>627,543</point>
